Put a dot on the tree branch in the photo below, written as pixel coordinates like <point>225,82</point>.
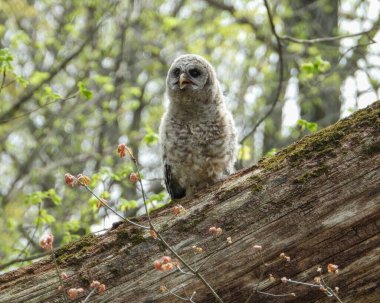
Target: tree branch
<point>280,80</point>
<point>324,39</point>
<point>20,260</point>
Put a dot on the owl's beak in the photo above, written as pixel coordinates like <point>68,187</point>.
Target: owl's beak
<point>183,81</point>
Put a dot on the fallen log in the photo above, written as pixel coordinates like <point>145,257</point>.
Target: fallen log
<point>316,201</point>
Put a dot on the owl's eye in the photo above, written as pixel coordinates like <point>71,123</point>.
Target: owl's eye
<point>194,72</point>
<point>176,72</point>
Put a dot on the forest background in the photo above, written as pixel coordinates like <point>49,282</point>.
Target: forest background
<point>79,77</point>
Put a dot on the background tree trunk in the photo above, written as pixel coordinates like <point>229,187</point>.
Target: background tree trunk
<point>317,201</point>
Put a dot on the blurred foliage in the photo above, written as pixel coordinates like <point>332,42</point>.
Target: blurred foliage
<point>79,77</point>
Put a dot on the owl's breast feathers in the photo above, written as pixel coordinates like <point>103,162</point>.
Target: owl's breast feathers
<point>199,151</point>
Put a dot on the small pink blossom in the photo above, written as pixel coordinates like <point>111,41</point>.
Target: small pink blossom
<point>46,242</point>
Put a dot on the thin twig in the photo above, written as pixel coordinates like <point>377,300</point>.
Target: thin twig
<point>204,261</point>
<point>38,256</point>
<point>34,233</point>
<point>9,83</point>
<point>302,283</point>
<point>177,296</point>
<point>20,260</point>
<point>184,272</point>
<point>190,299</point>
<point>110,209</point>
<point>192,295</point>
<point>59,275</point>
<point>37,109</point>
<point>197,274</point>
<point>324,39</point>
<point>280,80</point>
<point>89,295</point>
<point>262,271</point>
<point>329,289</point>
<point>274,295</point>
<point>3,81</point>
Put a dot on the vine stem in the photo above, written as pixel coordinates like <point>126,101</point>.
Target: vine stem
<point>196,273</point>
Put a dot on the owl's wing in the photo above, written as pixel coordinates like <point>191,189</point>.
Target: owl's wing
<point>172,186</point>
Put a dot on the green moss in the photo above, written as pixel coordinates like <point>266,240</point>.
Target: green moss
<point>134,236</point>
<point>73,252</point>
<point>371,148</point>
<point>311,174</point>
<point>256,183</point>
<point>324,142</point>
<point>257,187</point>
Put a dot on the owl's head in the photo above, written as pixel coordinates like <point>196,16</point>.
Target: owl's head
<point>191,75</point>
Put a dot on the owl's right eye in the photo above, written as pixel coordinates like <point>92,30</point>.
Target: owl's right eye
<point>176,72</point>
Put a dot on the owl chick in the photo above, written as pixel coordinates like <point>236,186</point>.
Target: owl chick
<point>197,133</point>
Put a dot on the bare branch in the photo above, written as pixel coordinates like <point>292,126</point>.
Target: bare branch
<point>324,39</point>
<point>20,260</point>
<point>3,81</point>
<point>281,76</point>
<point>40,107</point>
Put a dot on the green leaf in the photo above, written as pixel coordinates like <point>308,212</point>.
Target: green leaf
<point>322,65</point>
<point>38,197</point>
<point>48,93</point>
<point>307,67</point>
<point>6,59</point>
<point>21,80</point>
<point>105,195</point>
<point>244,153</point>
<point>106,83</point>
<point>35,198</point>
<point>271,152</point>
<point>69,237</point>
<point>38,77</point>
<point>72,225</point>
<point>134,91</point>
<point>84,91</point>
<point>305,125</point>
<point>151,137</point>
<point>133,104</point>
<point>127,204</point>
<point>20,37</point>
<point>311,69</point>
<point>53,196</point>
<point>169,23</point>
<point>44,218</point>
<point>93,204</point>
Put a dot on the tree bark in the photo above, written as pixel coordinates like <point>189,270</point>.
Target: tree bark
<point>317,201</point>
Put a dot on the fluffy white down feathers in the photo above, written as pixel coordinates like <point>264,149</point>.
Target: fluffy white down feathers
<point>197,133</point>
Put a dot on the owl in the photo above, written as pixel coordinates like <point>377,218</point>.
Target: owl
<point>197,133</point>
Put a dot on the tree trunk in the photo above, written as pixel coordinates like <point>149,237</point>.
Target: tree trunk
<point>317,201</point>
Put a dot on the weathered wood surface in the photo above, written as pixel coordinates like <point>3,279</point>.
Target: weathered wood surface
<point>318,201</point>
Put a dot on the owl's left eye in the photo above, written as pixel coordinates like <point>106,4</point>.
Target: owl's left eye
<point>176,72</point>
<point>194,72</point>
